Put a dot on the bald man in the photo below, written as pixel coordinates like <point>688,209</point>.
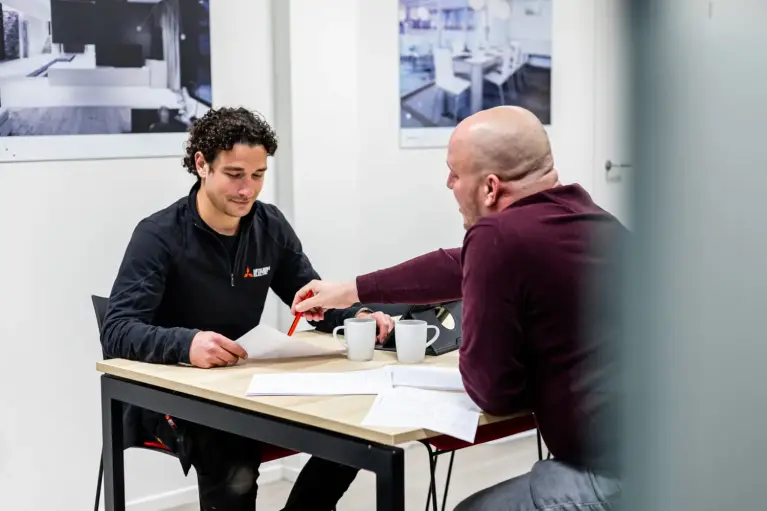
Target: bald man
<point>532,250</point>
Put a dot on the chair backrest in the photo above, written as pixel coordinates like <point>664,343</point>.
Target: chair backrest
<point>443,65</point>
<point>506,63</point>
<point>100,308</point>
<point>516,51</point>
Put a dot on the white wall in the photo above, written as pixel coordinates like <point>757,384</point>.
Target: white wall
<point>63,231</point>
<point>324,41</point>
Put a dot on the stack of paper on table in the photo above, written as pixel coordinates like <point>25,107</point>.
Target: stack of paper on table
<point>264,342</point>
<point>449,413</point>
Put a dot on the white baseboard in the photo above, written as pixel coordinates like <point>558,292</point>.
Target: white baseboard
<point>268,473</point>
<point>292,466</point>
<point>271,473</point>
<point>290,473</point>
<point>186,495</point>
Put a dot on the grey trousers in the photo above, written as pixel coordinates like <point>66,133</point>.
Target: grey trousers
<point>551,486</point>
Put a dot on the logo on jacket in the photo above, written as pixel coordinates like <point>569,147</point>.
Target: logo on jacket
<point>258,272</point>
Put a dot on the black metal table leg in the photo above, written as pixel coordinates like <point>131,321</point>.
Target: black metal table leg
<point>432,498</point>
<point>112,456</point>
<point>540,448</point>
<point>390,483</point>
<point>447,481</point>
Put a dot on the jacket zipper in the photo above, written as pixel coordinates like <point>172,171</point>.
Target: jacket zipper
<point>236,255</point>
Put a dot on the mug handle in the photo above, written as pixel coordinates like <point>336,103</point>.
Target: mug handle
<point>431,341</point>
<point>335,336</point>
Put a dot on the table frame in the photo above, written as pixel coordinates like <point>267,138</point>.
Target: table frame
<point>386,461</point>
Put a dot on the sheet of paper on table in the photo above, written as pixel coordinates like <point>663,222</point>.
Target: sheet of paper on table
<point>426,377</point>
<point>263,342</point>
<point>370,381</point>
<point>449,413</point>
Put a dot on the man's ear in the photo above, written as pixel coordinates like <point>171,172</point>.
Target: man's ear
<point>492,189</point>
<point>202,166</point>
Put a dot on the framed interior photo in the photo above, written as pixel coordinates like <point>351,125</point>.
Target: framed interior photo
<point>457,57</point>
<point>101,79</point>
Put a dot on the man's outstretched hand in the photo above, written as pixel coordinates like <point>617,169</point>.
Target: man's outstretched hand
<point>326,295</point>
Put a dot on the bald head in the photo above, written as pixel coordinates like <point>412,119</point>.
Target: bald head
<point>507,141</point>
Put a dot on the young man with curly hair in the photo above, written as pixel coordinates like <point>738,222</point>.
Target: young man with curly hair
<point>195,276</point>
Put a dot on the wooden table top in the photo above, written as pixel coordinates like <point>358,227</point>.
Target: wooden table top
<point>228,385</point>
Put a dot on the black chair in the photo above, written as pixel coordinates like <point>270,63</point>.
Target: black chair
<point>100,308</point>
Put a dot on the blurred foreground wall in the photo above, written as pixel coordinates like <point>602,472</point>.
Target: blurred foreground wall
<point>696,307</point>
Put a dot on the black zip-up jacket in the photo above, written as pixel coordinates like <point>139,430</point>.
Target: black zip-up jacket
<point>177,279</point>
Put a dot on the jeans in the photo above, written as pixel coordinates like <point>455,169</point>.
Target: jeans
<point>551,486</point>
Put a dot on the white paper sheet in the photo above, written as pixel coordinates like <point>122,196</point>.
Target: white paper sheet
<point>370,381</point>
<point>347,383</point>
<point>425,377</point>
<point>265,342</point>
<point>449,413</point>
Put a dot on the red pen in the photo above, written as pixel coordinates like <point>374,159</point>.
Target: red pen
<point>298,316</point>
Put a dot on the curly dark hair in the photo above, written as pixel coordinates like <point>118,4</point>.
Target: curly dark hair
<point>219,129</point>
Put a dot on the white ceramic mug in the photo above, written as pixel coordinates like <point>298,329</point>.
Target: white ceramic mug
<point>359,338</point>
<point>410,336</point>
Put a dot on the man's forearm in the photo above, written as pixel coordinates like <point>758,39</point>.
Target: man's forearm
<point>430,278</point>
<point>134,340</point>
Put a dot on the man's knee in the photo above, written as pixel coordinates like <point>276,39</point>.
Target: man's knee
<point>548,485</point>
<point>511,495</point>
<point>232,488</point>
<point>330,476</point>
<point>484,501</point>
<point>467,504</point>
<point>242,479</point>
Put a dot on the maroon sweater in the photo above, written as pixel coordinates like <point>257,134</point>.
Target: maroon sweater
<point>524,275</point>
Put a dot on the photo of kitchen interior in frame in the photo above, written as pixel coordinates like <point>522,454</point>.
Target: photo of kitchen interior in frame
<point>103,67</point>
<point>457,57</point>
